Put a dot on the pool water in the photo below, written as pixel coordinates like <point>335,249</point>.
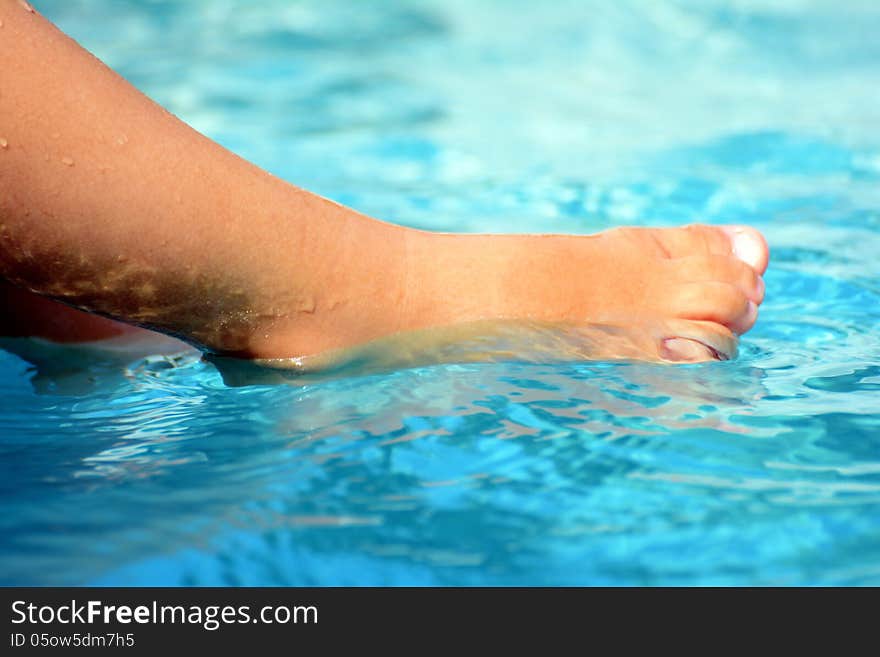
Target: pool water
<point>568,116</point>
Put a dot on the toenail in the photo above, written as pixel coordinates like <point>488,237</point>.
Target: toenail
<point>747,247</point>
<point>761,287</point>
<point>685,350</point>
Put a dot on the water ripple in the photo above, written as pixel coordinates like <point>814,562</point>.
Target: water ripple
<point>761,470</point>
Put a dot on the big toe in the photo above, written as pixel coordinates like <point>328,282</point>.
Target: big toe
<point>749,246</point>
<point>689,341</point>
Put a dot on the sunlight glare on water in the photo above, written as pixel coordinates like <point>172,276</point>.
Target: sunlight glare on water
<point>495,116</point>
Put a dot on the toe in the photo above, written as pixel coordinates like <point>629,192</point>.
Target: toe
<point>685,350</point>
<point>743,242</point>
<point>749,246</point>
<point>724,269</point>
<point>692,240</point>
<point>717,302</point>
<point>695,341</point>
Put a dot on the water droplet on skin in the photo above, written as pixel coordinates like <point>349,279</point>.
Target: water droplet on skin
<point>122,140</point>
<point>306,305</point>
<point>26,6</point>
<point>3,143</point>
<point>68,161</point>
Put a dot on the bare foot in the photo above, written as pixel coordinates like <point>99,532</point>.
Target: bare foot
<point>680,293</point>
<point>672,294</point>
<point>129,213</point>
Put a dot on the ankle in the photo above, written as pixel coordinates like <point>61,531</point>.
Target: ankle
<point>360,296</point>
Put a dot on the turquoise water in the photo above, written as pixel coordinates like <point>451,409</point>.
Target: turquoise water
<point>495,116</point>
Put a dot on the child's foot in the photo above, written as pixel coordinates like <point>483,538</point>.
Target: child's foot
<point>127,212</point>
<point>674,294</point>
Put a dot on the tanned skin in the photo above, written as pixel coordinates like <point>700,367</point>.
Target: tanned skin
<point>120,211</point>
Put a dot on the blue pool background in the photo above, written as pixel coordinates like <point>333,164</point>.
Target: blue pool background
<point>495,116</point>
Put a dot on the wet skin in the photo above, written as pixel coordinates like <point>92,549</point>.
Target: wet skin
<point>113,206</point>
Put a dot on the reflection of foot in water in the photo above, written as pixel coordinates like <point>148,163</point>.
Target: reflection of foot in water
<point>117,207</point>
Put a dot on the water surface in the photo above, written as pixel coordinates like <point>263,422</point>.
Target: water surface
<point>495,116</point>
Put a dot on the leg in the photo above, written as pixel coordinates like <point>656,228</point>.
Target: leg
<point>25,314</point>
<point>114,206</point>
